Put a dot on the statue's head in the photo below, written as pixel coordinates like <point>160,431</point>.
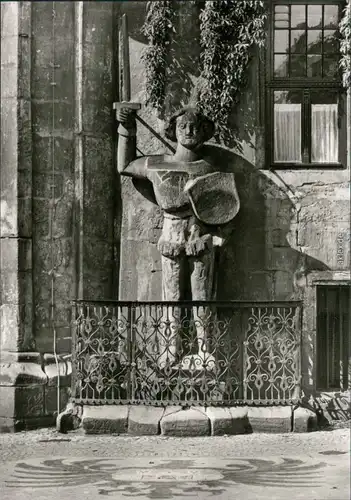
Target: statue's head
<point>189,127</point>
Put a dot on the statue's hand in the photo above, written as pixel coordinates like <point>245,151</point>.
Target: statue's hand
<point>218,241</point>
<point>126,117</point>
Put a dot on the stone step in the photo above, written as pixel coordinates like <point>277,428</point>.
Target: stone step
<point>146,420</point>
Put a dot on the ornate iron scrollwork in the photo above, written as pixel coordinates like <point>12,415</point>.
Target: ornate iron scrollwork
<point>186,353</point>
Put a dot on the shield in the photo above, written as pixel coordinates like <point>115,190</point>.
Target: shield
<point>214,197</point>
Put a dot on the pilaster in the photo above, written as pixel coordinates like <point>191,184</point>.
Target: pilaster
<point>21,376</point>
<point>95,177</point>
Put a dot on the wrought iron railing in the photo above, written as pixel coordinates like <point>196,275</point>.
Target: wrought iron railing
<point>207,353</point>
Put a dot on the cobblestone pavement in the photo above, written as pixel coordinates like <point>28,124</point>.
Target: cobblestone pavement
<point>47,465</point>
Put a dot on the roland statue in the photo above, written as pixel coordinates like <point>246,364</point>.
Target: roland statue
<point>198,201</point>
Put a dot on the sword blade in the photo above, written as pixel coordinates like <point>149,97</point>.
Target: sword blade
<point>124,63</point>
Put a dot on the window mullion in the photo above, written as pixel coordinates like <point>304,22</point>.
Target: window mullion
<point>306,127</point>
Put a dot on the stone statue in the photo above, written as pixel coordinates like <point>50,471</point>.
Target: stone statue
<point>198,202</point>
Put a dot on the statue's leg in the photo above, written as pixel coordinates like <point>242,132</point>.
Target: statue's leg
<point>202,275</point>
<point>172,290</point>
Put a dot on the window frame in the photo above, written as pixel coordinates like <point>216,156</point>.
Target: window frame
<point>306,86</point>
<point>322,338</point>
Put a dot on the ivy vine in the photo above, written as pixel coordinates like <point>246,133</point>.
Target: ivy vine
<point>345,44</point>
<point>230,30</point>
<point>158,28</point>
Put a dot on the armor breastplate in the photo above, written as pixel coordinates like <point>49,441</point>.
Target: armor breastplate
<point>169,179</point>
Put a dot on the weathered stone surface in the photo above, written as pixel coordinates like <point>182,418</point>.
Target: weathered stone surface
<point>70,418</point>
<point>228,420</point>
<point>304,420</point>
<point>25,424</point>
<point>22,402</point>
<point>105,419</point>
<point>221,420</point>
<point>52,405</point>
<point>214,198</point>
<point>15,317</point>
<point>189,422</point>
<point>144,420</point>
<point>270,419</point>
<point>21,373</point>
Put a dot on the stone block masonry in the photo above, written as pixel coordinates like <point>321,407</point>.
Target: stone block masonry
<point>194,421</point>
<point>57,166</point>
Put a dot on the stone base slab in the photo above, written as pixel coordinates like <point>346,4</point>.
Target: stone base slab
<point>270,419</point>
<point>145,420</point>
<point>105,419</point>
<point>190,422</point>
<point>304,420</point>
<point>195,421</point>
<point>229,421</point>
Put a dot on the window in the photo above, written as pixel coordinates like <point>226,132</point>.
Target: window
<point>305,98</point>
<point>333,330</point>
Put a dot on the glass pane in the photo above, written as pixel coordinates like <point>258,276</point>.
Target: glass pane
<point>322,96</point>
<point>287,126</point>
<point>280,65</point>
<point>281,9</point>
<point>330,42</point>
<point>314,38</point>
<point>281,24</point>
<point>314,16</point>
<point>281,40</point>
<point>324,127</point>
<point>281,16</point>
<point>331,13</point>
<point>298,16</point>
<point>314,65</point>
<point>331,66</point>
<point>298,41</point>
<point>298,66</point>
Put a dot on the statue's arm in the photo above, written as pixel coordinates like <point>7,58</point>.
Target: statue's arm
<point>127,162</point>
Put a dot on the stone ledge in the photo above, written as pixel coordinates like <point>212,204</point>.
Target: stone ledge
<point>145,420</point>
<point>304,420</point>
<point>21,369</point>
<point>229,421</point>
<point>105,419</point>
<point>8,424</point>
<point>270,419</point>
<point>189,422</point>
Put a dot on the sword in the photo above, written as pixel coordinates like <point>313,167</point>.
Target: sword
<point>124,80</point>
<point>124,65</point>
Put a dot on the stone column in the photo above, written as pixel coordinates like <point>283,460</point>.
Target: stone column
<point>95,174</point>
<point>21,376</point>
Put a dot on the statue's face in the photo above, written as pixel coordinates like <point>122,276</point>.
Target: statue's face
<point>189,131</point>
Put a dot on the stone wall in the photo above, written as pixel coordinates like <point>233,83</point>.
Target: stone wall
<point>70,227</point>
<point>59,192</point>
